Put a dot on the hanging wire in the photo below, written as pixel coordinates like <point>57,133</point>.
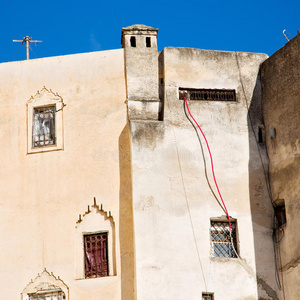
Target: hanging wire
<point>33,51</point>
<point>213,172</point>
<point>189,211</point>
<point>212,163</point>
<point>16,53</point>
<point>203,156</point>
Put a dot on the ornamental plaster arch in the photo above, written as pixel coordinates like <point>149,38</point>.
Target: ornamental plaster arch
<point>45,283</point>
<point>94,220</point>
<point>45,95</point>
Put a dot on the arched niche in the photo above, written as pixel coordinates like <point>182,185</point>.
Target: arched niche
<point>95,223</point>
<point>46,286</point>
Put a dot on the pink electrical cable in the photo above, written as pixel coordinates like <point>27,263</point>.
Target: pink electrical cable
<point>212,163</point>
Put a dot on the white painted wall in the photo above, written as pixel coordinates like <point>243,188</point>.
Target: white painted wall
<point>171,199</point>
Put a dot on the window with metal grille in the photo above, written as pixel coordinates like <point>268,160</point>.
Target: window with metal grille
<point>207,94</point>
<point>222,244</point>
<point>207,296</point>
<point>96,255</point>
<point>43,127</point>
<point>47,296</point>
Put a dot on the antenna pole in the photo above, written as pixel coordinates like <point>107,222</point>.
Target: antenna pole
<point>283,32</point>
<point>27,40</point>
<point>27,47</point>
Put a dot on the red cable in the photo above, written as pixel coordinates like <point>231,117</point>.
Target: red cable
<point>212,163</point>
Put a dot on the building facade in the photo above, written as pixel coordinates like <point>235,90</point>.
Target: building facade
<point>109,186</point>
<point>281,95</point>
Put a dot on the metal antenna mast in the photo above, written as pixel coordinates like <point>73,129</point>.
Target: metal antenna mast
<point>27,40</point>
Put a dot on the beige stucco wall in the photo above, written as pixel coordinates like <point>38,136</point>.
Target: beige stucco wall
<point>42,194</point>
<point>281,96</point>
<point>172,201</point>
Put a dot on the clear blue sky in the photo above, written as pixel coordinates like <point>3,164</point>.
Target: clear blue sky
<point>68,27</point>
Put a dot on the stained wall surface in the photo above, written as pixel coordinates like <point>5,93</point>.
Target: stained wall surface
<point>281,97</point>
<point>173,202</point>
<point>42,194</point>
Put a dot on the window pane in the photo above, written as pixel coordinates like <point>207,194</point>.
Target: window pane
<point>47,295</point>
<point>43,129</point>
<point>206,296</point>
<point>96,258</point>
<point>222,244</point>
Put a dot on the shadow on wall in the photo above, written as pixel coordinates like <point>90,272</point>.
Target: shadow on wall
<point>262,212</point>
<point>126,218</point>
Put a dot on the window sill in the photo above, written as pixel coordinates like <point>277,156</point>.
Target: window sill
<point>222,259</point>
<point>44,149</point>
<point>110,277</point>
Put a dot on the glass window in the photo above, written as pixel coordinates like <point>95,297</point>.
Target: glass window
<point>43,127</point>
<point>222,244</point>
<point>207,296</point>
<point>47,296</point>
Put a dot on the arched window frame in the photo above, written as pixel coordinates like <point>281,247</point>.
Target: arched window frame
<point>46,285</point>
<point>45,99</point>
<point>94,221</point>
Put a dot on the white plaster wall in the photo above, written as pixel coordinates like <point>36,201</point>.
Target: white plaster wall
<point>42,194</point>
<point>141,68</point>
<point>171,199</point>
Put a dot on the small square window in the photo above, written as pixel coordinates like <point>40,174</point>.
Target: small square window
<point>96,255</point>
<point>222,244</point>
<point>207,296</point>
<point>43,127</point>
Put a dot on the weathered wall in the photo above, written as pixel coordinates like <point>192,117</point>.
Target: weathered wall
<point>162,238</point>
<point>42,194</point>
<point>172,201</point>
<point>281,97</point>
<point>141,70</point>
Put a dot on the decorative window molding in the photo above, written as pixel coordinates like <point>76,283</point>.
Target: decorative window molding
<point>44,122</point>
<point>95,244</point>
<point>222,243</point>
<point>208,94</point>
<point>46,286</point>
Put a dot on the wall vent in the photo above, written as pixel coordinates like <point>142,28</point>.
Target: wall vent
<point>207,94</point>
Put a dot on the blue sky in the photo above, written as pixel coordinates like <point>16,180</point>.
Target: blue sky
<point>68,27</point>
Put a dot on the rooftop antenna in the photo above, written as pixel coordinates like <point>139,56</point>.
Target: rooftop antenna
<point>27,40</point>
<point>283,32</point>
